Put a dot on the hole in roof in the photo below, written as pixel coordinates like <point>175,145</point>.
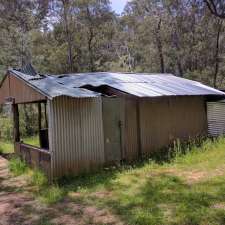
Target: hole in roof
<point>62,76</point>
<point>103,89</point>
<point>38,77</point>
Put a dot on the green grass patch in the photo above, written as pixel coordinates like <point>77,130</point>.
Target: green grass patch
<point>34,141</point>
<point>52,194</point>
<point>17,166</point>
<point>6,147</point>
<point>181,191</point>
<point>48,194</point>
<point>38,179</point>
<point>186,189</point>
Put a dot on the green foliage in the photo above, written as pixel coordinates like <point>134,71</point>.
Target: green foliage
<point>17,166</point>
<point>89,36</point>
<point>34,140</point>
<point>6,147</point>
<point>6,128</point>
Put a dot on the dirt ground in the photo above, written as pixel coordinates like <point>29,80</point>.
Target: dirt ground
<point>19,207</point>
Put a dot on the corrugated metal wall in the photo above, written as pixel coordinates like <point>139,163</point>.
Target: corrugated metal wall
<point>130,130</point>
<point>166,119</point>
<point>112,108</point>
<point>75,135</point>
<point>152,123</point>
<point>216,118</point>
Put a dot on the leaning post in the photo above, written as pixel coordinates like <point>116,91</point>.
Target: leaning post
<point>16,129</point>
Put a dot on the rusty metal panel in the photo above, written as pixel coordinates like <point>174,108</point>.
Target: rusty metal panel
<point>75,135</point>
<point>164,120</point>
<point>216,118</point>
<point>22,93</point>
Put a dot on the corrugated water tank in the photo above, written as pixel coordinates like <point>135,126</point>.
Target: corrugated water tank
<point>216,118</point>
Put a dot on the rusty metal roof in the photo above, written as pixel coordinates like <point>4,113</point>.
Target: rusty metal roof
<point>139,85</point>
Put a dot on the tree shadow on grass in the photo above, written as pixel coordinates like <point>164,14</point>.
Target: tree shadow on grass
<point>89,181</point>
<point>166,199</point>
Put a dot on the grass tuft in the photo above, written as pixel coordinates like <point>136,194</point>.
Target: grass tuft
<point>52,194</point>
<point>17,166</point>
<point>38,179</point>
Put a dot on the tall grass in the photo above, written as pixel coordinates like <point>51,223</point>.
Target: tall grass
<point>17,166</point>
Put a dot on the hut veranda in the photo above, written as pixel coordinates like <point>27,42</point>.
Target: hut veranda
<point>97,119</point>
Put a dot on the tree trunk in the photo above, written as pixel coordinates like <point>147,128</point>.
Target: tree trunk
<point>90,40</point>
<point>159,46</point>
<point>90,51</point>
<point>177,47</point>
<point>68,34</point>
<point>219,26</point>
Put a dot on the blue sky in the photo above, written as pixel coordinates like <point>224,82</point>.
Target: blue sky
<point>118,5</point>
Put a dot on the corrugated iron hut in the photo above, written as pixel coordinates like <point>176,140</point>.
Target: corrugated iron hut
<point>101,118</point>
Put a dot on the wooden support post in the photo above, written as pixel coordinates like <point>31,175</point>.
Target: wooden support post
<point>16,126</point>
<point>46,117</point>
<point>39,121</point>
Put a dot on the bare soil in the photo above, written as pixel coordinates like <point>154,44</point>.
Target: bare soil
<point>19,207</point>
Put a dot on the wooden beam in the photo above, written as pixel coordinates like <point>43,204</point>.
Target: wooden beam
<point>16,129</point>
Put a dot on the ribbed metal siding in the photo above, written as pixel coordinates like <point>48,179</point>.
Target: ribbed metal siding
<point>164,120</point>
<point>76,135</point>
<point>216,118</point>
<point>131,130</point>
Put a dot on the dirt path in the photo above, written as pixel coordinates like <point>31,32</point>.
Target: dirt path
<point>11,198</point>
<point>19,207</point>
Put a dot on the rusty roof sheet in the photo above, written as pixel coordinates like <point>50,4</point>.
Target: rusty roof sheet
<point>140,85</point>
